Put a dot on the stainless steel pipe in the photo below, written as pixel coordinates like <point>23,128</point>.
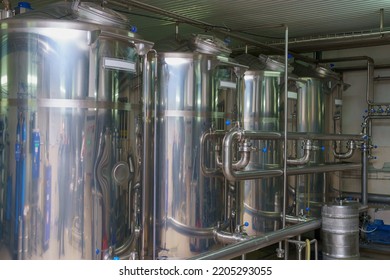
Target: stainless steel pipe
<point>232,175</point>
<point>237,249</point>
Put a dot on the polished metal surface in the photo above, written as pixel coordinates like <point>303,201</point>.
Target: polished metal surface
<point>198,88</point>
<point>310,114</point>
<point>340,231</point>
<point>262,100</point>
<point>259,242</point>
<point>73,167</point>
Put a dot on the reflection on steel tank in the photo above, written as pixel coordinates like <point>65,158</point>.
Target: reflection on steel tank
<point>72,127</point>
<point>314,86</point>
<point>262,103</point>
<point>197,92</point>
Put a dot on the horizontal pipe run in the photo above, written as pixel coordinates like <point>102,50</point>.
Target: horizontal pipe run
<point>266,173</point>
<point>261,135</point>
<point>323,168</point>
<point>344,59</point>
<point>324,137</point>
<point>372,198</point>
<point>256,243</point>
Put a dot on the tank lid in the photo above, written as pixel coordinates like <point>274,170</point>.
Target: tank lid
<point>251,61</point>
<point>94,13</point>
<point>207,44</point>
<point>273,63</point>
<point>304,69</point>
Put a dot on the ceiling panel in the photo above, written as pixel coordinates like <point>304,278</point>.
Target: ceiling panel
<point>255,19</point>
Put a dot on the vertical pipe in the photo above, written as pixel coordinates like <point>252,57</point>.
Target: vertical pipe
<point>147,196</point>
<point>382,13</point>
<point>364,173</point>
<point>155,82</point>
<point>285,137</point>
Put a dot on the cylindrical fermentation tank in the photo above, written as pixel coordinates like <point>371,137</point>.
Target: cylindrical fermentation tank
<point>262,103</point>
<point>72,125</point>
<point>197,91</point>
<point>314,85</point>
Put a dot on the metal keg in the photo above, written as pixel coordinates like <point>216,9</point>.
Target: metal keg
<point>340,231</point>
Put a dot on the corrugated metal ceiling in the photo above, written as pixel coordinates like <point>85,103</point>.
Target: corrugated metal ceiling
<point>253,18</point>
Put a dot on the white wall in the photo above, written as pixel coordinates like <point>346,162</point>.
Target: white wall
<point>354,106</point>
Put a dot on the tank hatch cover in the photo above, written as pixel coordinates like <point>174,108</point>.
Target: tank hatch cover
<point>207,44</point>
<point>94,13</point>
<point>273,63</point>
<point>251,61</point>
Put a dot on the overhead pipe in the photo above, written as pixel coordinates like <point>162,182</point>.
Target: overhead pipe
<point>370,74</point>
<point>337,41</point>
<point>201,24</point>
<point>256,243</point>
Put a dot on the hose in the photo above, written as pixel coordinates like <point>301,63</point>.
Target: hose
<point>307,249</point>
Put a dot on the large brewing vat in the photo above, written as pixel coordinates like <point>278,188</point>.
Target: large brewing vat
<point>262,111</point>
<point>197,91</point>
<point>313,111</point>
<point>72,124</point>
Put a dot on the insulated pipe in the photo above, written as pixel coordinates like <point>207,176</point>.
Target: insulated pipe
<point>256,243</point>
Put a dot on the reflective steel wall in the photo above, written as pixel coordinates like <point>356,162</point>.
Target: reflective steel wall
<point>71,122</point>
<point>196,92</point>
<point>310,188</point>
<point>262,199</point>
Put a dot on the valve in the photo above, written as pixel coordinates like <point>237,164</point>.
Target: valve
<point>241,228</point>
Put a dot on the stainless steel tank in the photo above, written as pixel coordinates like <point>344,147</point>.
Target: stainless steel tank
<point>314,85</point>
<point>72,127</point>
<point>262,103</point>
<point>197,91</point>
<point>340,231</point>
